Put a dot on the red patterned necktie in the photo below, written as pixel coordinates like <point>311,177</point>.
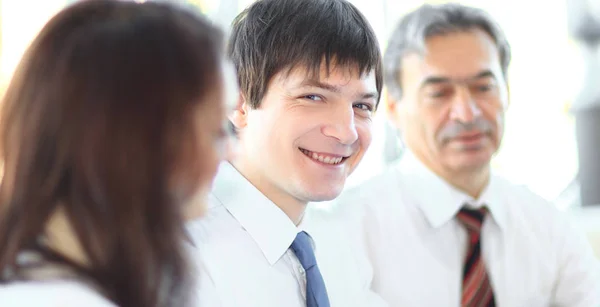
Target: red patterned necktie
<point>476,287</point>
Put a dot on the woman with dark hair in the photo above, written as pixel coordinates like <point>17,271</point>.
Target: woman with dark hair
<point>111,132</point>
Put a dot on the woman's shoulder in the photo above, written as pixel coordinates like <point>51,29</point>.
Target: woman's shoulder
<point>50,294</point>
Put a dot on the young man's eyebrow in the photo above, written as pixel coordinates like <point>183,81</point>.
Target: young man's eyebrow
<point>335,89</point>
<point>319,84</point>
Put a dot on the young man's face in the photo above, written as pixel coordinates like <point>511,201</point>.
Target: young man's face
<point>308,134</point>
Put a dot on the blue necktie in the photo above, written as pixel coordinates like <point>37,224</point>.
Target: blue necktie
<point>316,294</point>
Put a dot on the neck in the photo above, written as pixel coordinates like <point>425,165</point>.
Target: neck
<point>472,183</point>
<point>62,238</point>
<point>291,206</point>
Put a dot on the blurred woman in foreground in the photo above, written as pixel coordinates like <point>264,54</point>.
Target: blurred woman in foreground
<point>111,132</point>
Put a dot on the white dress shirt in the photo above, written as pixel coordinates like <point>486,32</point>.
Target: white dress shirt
<point>244,256</point>
<point>533,254</point>
<point>50,294</point>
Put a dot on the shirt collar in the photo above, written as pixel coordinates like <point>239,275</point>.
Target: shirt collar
<point>309,225</point>
<point>439,201</point>
<point>269,226</point>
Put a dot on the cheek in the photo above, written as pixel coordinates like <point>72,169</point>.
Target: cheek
<point>203,161</point>
<point>195,171</point>
<point>255,140</point>
<point>261,125</point>
<point>213,153</point>
<point>494,113</point>
<point>289,127</point>
<point>499,126</point>
<point>365,133</point>
<point>432,123</point>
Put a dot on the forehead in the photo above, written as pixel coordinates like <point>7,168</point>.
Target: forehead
<point>338,75</point>
<point>460,54</point>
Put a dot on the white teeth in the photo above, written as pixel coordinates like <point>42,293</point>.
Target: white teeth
<point>320,158</point>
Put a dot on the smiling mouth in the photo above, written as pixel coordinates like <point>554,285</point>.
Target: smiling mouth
<point>322,158</point>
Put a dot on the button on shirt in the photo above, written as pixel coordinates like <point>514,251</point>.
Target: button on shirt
<point>244,256</point>
<point>533,254</point>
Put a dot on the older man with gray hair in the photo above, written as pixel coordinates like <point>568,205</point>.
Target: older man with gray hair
<point>441,229</point>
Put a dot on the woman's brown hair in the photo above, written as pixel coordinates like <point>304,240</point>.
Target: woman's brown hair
<point>97,121</point>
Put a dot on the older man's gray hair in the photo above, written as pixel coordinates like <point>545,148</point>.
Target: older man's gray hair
<point>414,29</point>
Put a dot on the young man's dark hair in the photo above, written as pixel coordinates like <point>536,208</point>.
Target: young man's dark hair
<point>273,35</point>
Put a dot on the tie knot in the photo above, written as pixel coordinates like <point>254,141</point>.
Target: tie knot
<point>302,247</point>
<point>472,218</point>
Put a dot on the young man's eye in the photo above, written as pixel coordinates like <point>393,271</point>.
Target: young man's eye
<point>313,97</point>
<point>364,106</point>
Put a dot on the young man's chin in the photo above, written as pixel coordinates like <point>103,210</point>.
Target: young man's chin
<point>319,192</point>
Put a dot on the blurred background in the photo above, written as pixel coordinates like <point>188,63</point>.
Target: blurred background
<point>552,83</point>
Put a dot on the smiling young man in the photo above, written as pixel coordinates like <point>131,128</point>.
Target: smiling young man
<point>310,80</point>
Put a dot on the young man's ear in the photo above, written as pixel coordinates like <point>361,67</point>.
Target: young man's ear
<point>239,115</point>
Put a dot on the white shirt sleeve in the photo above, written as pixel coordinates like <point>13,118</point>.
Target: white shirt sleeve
<point>578,280</point>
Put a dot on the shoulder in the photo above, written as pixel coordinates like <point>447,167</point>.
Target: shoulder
<point>540,217</point>
<point>216,223</point>
<point>377,188</point>
<point>51,293</point>
<point>523,200</point>
<point>361,206</point>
